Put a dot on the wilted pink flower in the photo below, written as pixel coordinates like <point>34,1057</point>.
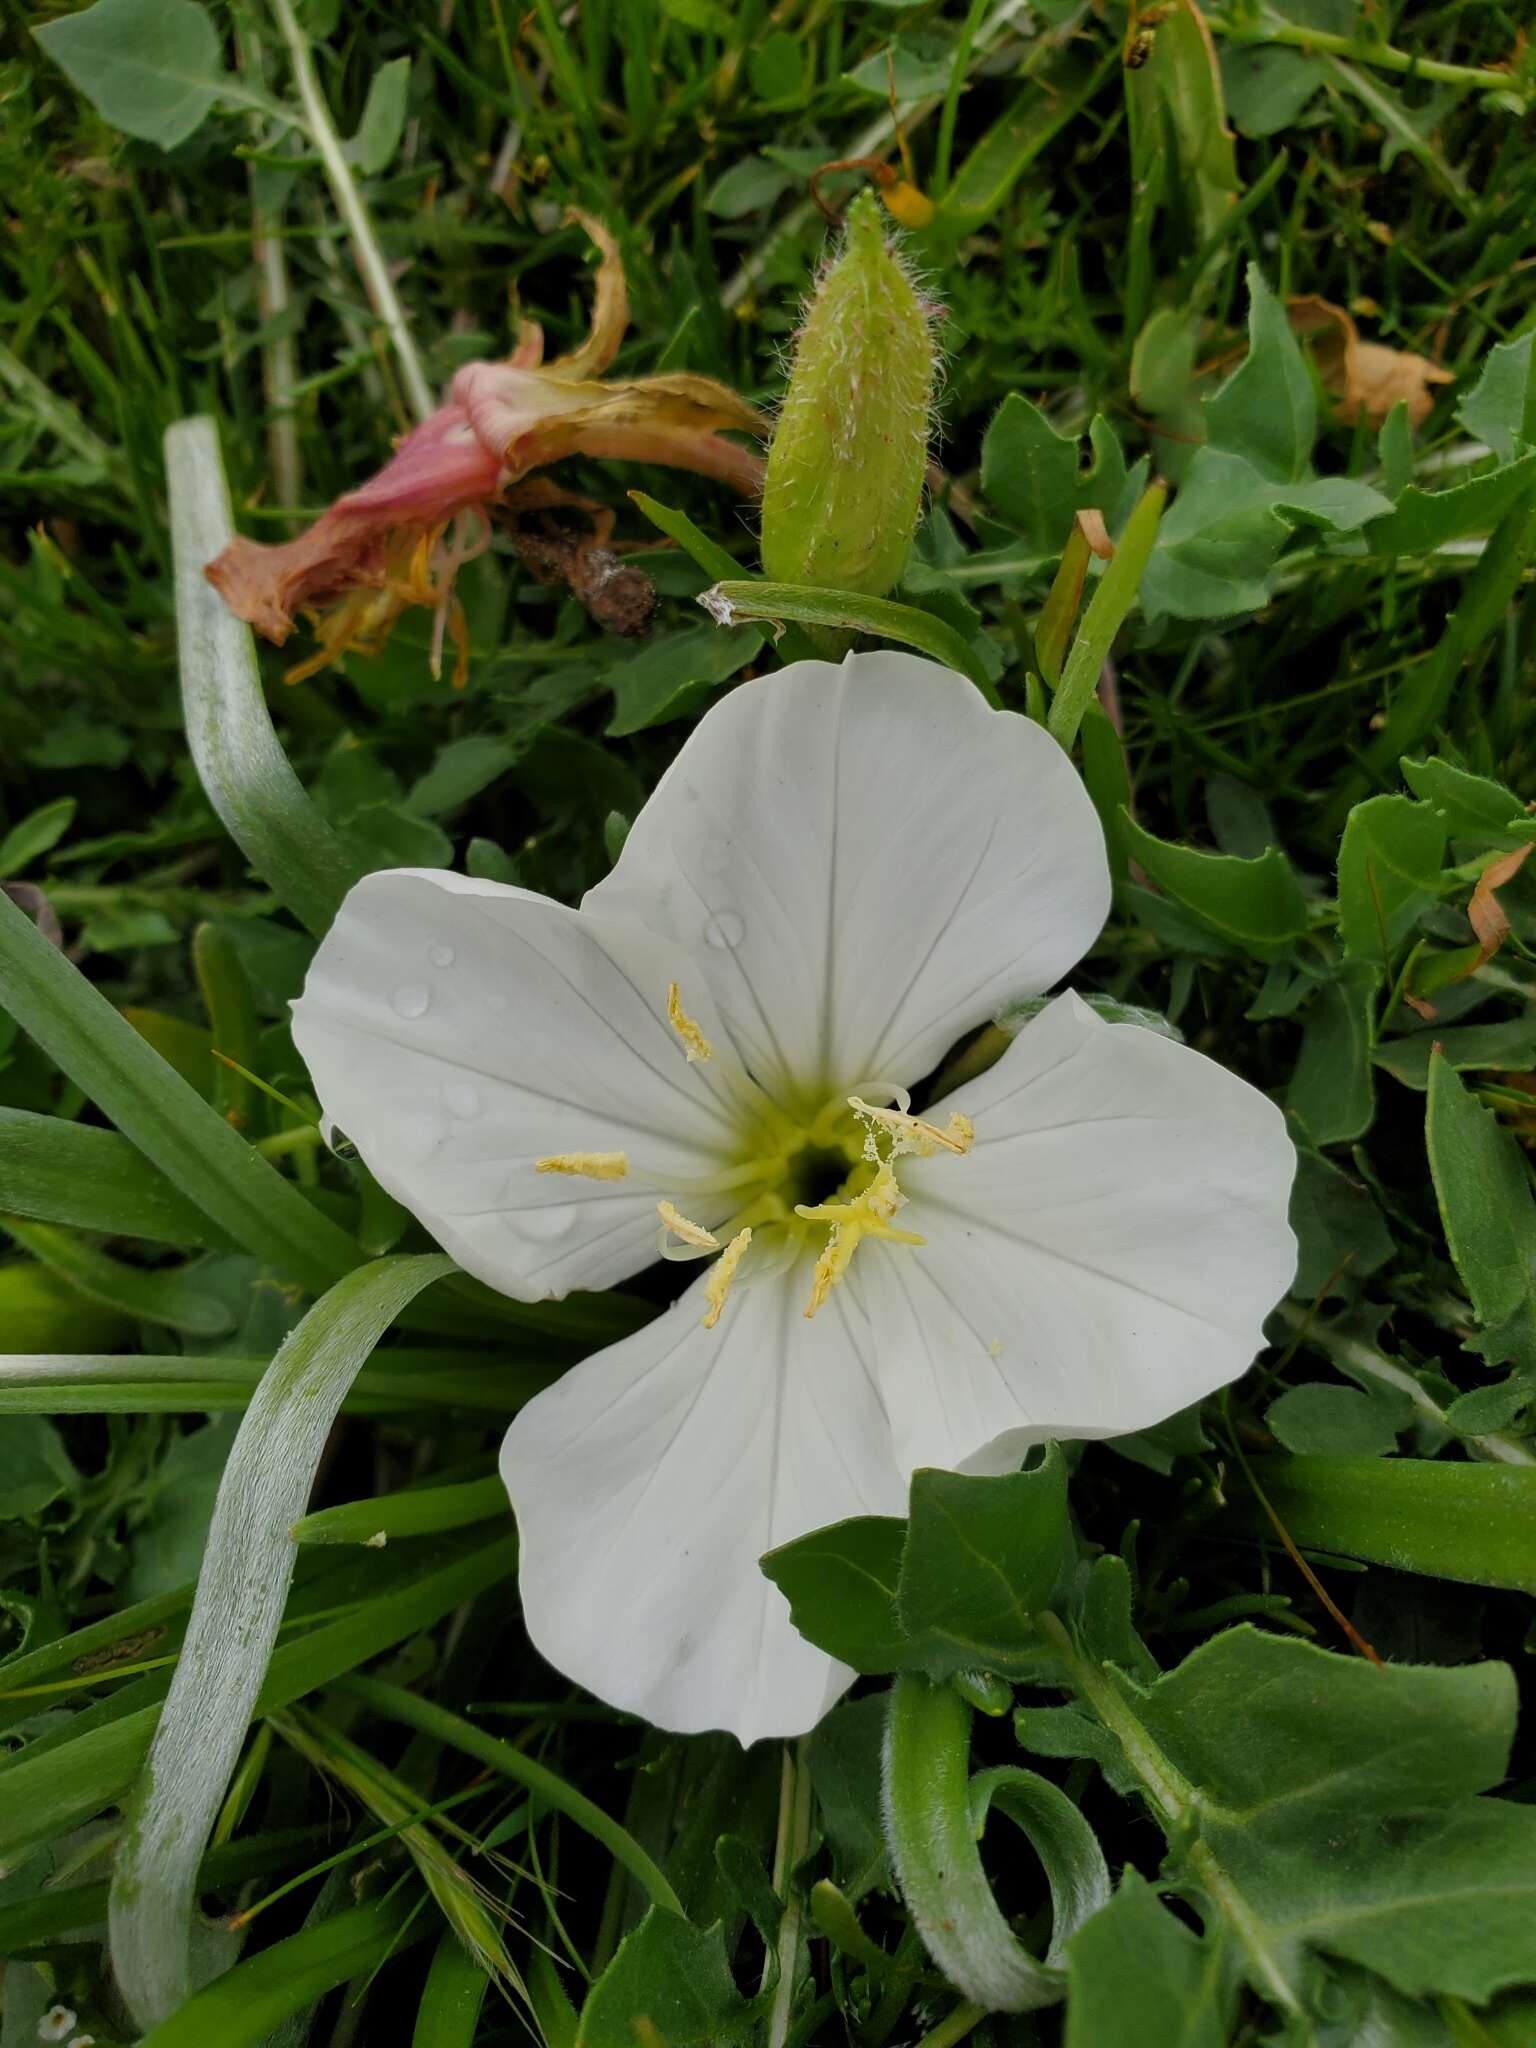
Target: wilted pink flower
<point>400,538</point>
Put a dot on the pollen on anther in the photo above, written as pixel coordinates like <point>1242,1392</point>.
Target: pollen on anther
<point>690,1233</point>
<point>586,1165</point>
<point>695,1044</point>
<point>718,1285</point>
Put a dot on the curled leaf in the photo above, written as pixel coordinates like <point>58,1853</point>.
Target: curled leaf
<point>1485,913</point>
<point>401,538</point>
<point>1364,378</point>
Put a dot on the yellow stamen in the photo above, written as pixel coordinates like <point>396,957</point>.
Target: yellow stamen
<point>866,1215</point>
<point>690,1233</point>
<point>913,1134</point>
<point>695,1044</point>
<point>589,1165</point>
<point>718,1285</point>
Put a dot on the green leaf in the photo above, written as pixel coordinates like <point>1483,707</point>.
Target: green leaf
<point>1266,411</point>
<point>776,66</point>
<point>1257,903</point>
<point>1466,1048</point>
<point>241,2008</point>
<point>51,1787</point>
<point>1424,520</point>
<point>1389,872</point>
<point>235,1617</point>
<point>61,1172</point>
<point>150,67</point>
<point>843,1754</point>
<point>1501,407</point>
<point>1138,1975</point>
<point>35,835</point>
<point>383,123</point>
<point>191,1144</point>
<point>800,605</point>
<point>1338,1422</point>
<point>1471,1523</point>
<point>1340,1235</point>
<point>670,676</point>
<point>676,1977</point>
<point>840,1583</point>
<point>461,771</point>
<point>1030,474</point>
<point>35,1468</point>
<point>982,1557</point>
<point>1473,806</point>
<point>1485,1198</point>
<point>1314,1800</point>
<point>1218,541</point>
<point>229,730</point>
<point>1332,1093</point>
<point>168,1294</point>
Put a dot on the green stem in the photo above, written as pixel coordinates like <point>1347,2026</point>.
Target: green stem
<point>1176,1802</point>
<point>377,281</point>
<point>1384,56</point>
<point>937,1861</point>
<point>794,1838</point>
<point>1355,1356</point>
<point>1106,613</point>
<point>964,2020</point>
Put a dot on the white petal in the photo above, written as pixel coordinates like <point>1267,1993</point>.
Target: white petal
<point>649,1481</point>
<point>873,861</point>
<point>457,1031</point>
<point>1104,1257</point>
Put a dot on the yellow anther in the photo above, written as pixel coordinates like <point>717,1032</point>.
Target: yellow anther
<point>690,1233</point>
<point>867,1215</point>
<point>695,1044</point>
<point>588,1165</point>
<point>912,1134</point>
<point>718,1285</point>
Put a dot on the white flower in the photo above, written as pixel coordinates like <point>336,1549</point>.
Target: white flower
<point>844,871</point>
<point>56,2024</point>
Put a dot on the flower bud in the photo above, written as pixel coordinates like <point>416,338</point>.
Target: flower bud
<point>845,471</point>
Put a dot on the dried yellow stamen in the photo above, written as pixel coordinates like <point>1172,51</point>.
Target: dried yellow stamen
<point>866,1215</point>
<point>718,1285</point>
<point>913,1134</point>
<point>690,1233</point>
<point>588,1165</point>
<point>695,1044</point>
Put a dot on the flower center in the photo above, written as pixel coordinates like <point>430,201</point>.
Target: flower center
<point>829,1184</point>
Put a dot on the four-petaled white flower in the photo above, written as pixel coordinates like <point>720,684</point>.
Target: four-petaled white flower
<point>845,871</point>
<point>56,2024</point>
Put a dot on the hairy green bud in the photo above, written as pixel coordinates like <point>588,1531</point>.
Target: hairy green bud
<point>845,471</point>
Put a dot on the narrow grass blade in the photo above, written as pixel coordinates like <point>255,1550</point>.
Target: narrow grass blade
<point>239,762</point>
<point>59,1780</point>
<point>101,1383</point>
<point>169,1122</point>
<point>421,1512</point>
<point>399,1705</point>
<point>62,1172</point>
<point>240,1597</point>
<point>239,2009</point>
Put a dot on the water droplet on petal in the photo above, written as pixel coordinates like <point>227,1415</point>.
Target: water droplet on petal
<point>410,999</point>
<point>725,931</point>
<point>546,1225</point>
<point>461,1098</point>
<point>441,956</point>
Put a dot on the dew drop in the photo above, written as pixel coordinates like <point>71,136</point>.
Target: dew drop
<point>461,1098</point>
<point>546,1224</point>
<point>725,931</point>
<point>441,956</point>
<point>410,999</point>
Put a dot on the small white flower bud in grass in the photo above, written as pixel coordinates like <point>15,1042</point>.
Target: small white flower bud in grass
<point>845,471</point>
